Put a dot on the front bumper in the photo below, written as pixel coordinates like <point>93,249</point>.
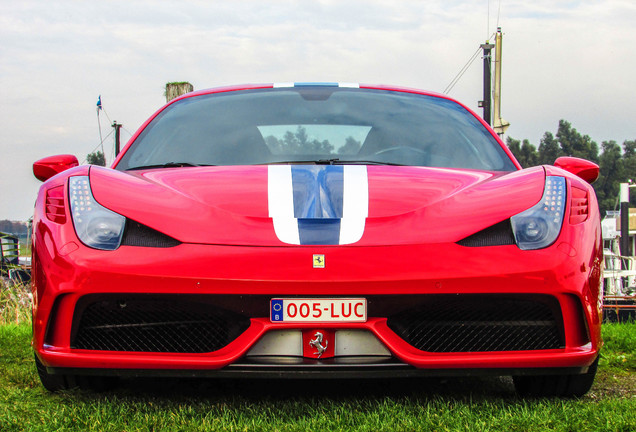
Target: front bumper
<point>251,276</point>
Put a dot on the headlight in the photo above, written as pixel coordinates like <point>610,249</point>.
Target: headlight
<point>95,225</point>
<point>539,226</point>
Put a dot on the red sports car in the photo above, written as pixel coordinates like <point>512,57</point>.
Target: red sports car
<point>317,230</point>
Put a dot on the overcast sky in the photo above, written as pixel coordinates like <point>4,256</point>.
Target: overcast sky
<point>562,59</point>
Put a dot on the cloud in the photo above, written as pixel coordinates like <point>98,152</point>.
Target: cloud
<point>562,59</point>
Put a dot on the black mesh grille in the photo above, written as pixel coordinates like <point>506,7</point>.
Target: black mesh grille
<point>481,323</point>
<point>136,234</point>
<point>496,235</point>
<point>155,325</point>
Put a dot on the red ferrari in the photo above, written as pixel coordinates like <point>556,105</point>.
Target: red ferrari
<point>317,230</point>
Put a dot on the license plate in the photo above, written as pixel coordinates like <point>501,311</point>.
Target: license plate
<point>318,310</point>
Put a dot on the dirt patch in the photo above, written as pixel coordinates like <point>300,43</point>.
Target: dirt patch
<point>613,383</point>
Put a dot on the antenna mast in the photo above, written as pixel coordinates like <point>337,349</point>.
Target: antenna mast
<point>499,125</point>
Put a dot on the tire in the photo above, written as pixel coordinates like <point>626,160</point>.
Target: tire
<point>556,385</point>
<point>54,383</point>
<point>97,384</point>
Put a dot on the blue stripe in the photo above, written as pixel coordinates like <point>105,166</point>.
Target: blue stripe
<point>318,202</point>
<point>318,191</point>
<point>319,231</point>
<point>313,84</point>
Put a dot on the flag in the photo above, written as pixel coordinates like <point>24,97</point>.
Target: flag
<point>99,102</point>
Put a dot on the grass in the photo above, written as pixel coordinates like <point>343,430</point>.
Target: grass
<point>620,350</point>
<point>468,404</point>
<point>15,304</point>
<point>25,249</point>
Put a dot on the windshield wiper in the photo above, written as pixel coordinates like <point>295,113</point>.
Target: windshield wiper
<point>166,165</point>
<point>362,162</point>
<point>334,161</point>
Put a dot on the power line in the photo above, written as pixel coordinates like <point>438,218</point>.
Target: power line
<point>488,18</point>
<point>462,71</point>
<point>101,144</point>
<point>102,139</point>
<point>127,131</point>
<point>498,13</point>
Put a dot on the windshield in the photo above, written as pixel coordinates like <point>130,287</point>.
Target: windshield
<point>316,125</point>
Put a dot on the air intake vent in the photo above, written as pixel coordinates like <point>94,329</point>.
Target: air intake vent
<point>136,234</point>
<point>479,323</point>
<point>55,208</point>
<point>154,324</point>
<point>496,235</point>
<point>578,206</point>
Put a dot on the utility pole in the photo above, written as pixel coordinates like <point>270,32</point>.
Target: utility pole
<point>176,89</point>
<point>624,195</point>
<point>117,126</point>
<point>485,103</point>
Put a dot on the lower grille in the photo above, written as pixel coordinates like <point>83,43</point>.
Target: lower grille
<point>147,324</point>
<point>478,323</point>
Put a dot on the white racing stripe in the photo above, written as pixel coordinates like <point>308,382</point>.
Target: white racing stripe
<point>355,203</point>
<point>280,194</point>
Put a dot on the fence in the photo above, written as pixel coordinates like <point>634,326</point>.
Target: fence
<point>10,259</point>
<point>9,250</point>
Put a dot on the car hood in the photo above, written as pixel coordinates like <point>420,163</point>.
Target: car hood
<point>375,205</point>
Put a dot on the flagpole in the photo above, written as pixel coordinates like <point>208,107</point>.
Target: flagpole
<point>99,125</point>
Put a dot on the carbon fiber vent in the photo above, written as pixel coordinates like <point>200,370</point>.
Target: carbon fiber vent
<point>496,235</point>
<point>152,324</point>
<point>478,323</point>
<point>136,234</point>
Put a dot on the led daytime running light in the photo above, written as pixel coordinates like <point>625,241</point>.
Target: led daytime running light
<point>95,225</point>
<point>539,226</point>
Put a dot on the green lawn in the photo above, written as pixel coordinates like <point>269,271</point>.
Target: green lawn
<point>25,249</point>
<point>473,404</point>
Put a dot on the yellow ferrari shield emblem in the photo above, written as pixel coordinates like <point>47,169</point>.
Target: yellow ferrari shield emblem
<point>319,261</point>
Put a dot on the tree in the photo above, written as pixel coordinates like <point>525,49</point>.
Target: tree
<point>629,159</point>
<point>617,165</point>
<point>529,153</point>
<point>549,150</point>
<point>298,143</point>
<point>629,166</point>
<point>350,147</point>
<point>610,176</point>
<point>525,152</point>
<point>13,227</point>
<point>96,158</point>
<point>574,144</point>
<point>514,145</point>
<point>568,142</point>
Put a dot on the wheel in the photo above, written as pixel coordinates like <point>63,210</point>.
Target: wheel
<point>52,382</point>
<point>556,385</point>
<point>96,384</point>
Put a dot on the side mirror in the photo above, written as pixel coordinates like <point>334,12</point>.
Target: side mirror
<point>46,168</point>
<point>585,169</point>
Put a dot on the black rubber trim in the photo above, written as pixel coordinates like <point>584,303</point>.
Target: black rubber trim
<point>397,370</point>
